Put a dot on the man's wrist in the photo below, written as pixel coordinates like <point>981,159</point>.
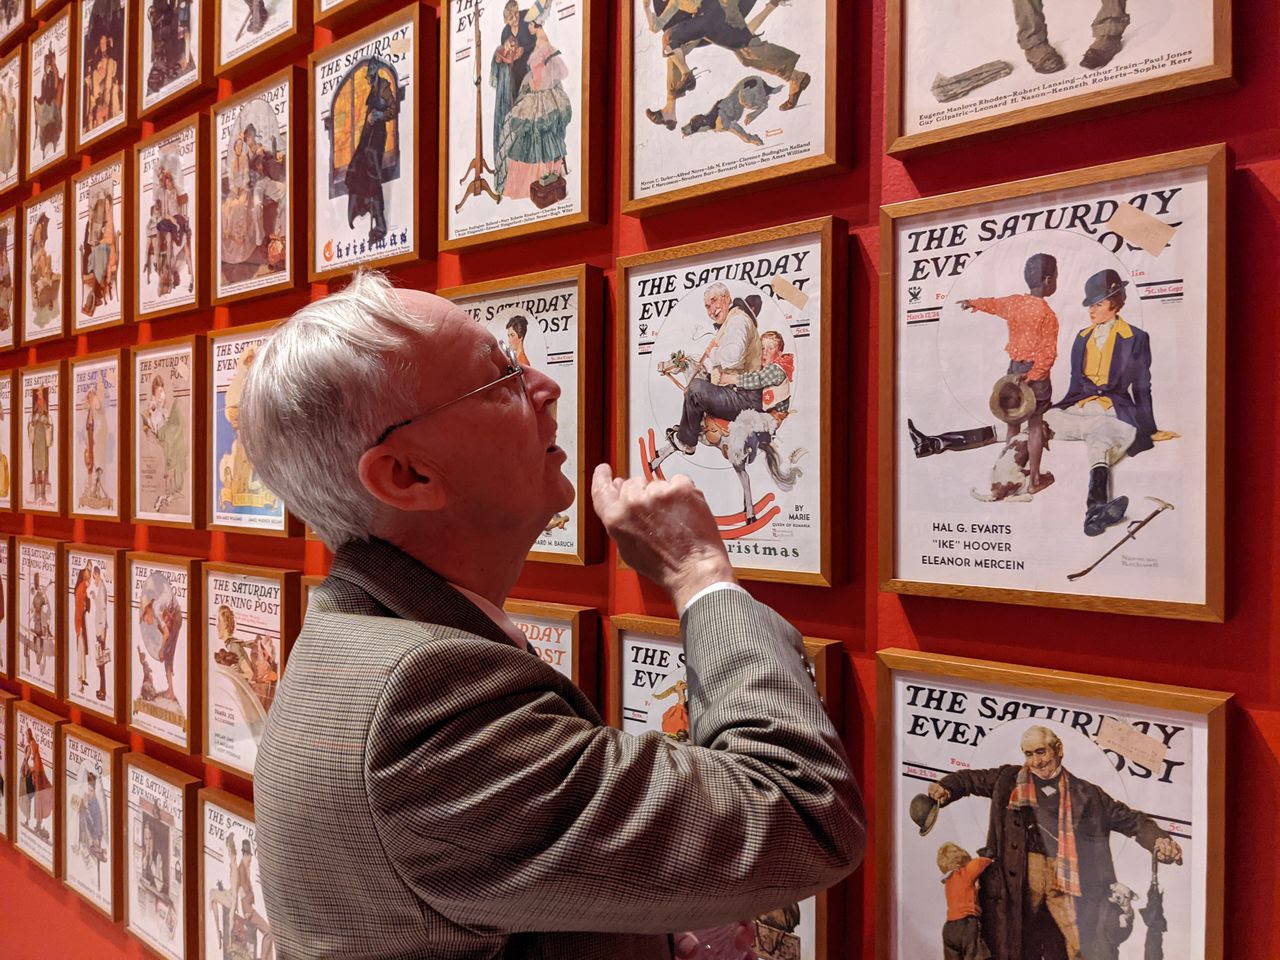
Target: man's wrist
<point>695,576</point>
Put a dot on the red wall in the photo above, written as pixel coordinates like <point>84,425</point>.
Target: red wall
<point>41,919</point>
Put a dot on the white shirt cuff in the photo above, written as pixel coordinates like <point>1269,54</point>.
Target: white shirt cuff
<point>721,585</point>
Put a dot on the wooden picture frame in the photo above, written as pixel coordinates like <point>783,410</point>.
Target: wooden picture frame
<point>160,801</point>
<point>84,754</point>
<point>42,846</point>
<point>275,100</point>
<point>105,183</point>
<point>54,37</point>
<point>8,609</point>
<point>336,14</point>
<point>935,370</point>
<point>15,26</point>
<point>283,37</point>
<point>1150,86</point>
<point>820,160</point>
<point>463,182</point>
<point>12,280</point>
<point>39,9</point>
<point>328,254</point>
<point>42,396</point>
<point>246,668</point>
<point>1133,726</point>
<point>227,825</point>
<point>90,382</point>
<point>575,656</point>
<point>493,303</point>
<point>813,253</point>
<point>179,149</point>
<point>103,633</point>
<point>7,768</point>
<point>10,414</point>
<point>164,580</point>
<point>39,632</point>
<point>179,365</point>
<point>13,127</point>
<point>45,291</point>
<point>121,32</point>
<point>179,87</point>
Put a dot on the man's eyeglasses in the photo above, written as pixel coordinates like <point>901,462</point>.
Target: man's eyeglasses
<point>514,369</point>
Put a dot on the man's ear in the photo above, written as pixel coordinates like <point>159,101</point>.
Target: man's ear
<point>400,484</point>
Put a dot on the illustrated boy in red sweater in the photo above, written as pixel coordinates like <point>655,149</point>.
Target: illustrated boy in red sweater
<point>962,933</point>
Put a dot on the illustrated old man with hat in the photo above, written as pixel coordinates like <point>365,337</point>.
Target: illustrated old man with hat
<point>1049,833</point>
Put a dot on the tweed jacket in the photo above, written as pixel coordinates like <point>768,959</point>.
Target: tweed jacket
<point>425,789</point>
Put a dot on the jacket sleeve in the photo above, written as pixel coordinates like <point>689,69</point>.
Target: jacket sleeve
<point>970,783</point>
<point>1144,414</point>
<point>502,808</point>
<point>1120,818</point>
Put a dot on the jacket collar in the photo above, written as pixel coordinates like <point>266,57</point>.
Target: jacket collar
<point>1122,329</point>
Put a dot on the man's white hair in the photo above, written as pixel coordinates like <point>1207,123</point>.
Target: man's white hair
<point>319,393</point>
<point>716,289</point>
<point>1043,733</point>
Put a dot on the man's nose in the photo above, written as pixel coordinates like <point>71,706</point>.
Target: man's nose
<point>542,390</point>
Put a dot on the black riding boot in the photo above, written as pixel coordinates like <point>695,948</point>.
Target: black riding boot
<point>1101,511</point>
<point>927,446</point>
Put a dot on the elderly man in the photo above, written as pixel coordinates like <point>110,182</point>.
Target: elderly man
<point>427,786</point>
<point>1050,835</point>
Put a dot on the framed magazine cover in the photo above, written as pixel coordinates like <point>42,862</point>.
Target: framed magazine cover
<point>552,320</point>
<point>7,701</point>
<point>956,72</point>
<point>168,432</point>
<point>175,55</point>
<point>44,285</point>
<point>13,113</point>
<point>163,656</point>
<point>103,69</point>
<point>93,618</point>
<point>160,850</point>
<point>760,452</point>
<point>99,438</point>
<point>1033,447</point>
<point>7,609</point>
<point>13,22</point>
<point>10,284</point>
<point>228,861</point>
<point>969,750</point>
<point>100,246</point>
<point>50,93</point>
<point>10,475</point>
<point>246,35</point>
<point>516,87</point>
<point>92,814</point>
<point>39,626</point>
<point>566,637</point>
<point>250,622</point>
<point>41,463</point>
<point>37,785</point>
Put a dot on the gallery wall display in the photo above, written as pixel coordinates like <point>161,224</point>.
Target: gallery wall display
<point>99,435</point>
<point>12,113</point>
<point>160,853</point>
<point>1122,780</point>
<point>39,627</point>
<point>517,124</point>
<point>50,94</point>
<point>40,438</point>
<point>1052,410</point>
<point>168,432</point>
<point>9,290</point>
<point>37,785</point>
<point>720,98</point>
<point>957,71</point>
<point>92,854</point>
<point>250,621</point>
<point>45,287</point>
<point>10,479</point>
<point>93,619</point>
<point>249,34</point>
<point>103,68</point>
<point>233,912</point>
<point>175,54</point>
<point>101,247</point>
<point>564,636</point>
<point>7,770</point>
<point>552,321</point>
<point>170,213</point>
<point>367,126</point>
<point>724,350</point>
<point>6,610</point>
<point>163,656</point>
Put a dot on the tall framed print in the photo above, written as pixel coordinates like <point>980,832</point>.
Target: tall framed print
<point>10,477</point>
<point>175,54</point>
<point>551,321</point>
<point>366,131</point>
<point>50,97</point>
<point>170,213</point>
<point>91,818</point>
<point>9,290</point>
<point>248,34</point>
<point>38,624</point>
<point>718,99</point>
<point>958,72</point>
<point>250,621</point>
<point>565,637</point>
<point>44,289</point>
<point>163,657</point>
<point>255,206</point>
<point>103,69</point>
<point>160,853</point>
<point>724,351</point>
<point>40,439</point>
<point>99,435</point>
<point>517,119</point>
<point>12,113</point>
<point>7,771</point>
<point>36,767</point>
<point>233,914</point>
<point>987,769</point>
<point>6,610</point>
<point>100,245</point>
<point>168,382</point>
<point>1052,411</point>
<point>92,616</point>
<point>13,23</point>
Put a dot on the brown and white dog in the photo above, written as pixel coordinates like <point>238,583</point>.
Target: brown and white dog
<point>1010,476</point>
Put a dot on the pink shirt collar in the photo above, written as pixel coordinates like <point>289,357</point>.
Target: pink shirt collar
<point>497,615</point>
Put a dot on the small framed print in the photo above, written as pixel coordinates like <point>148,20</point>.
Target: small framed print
<point>9,475</point>
<point>6,610</point>
<point>255,166</point>
<point>9,292</point>
<point>98,435</point>
<point>551,321</point>
<point>1127,777</point>
<point>956,72</point>
<point>50,97</point>
<point>717,101</point>
<point>12,113</point>
<point>91,817</point>
<point>44,290</point>
<point>160,853</point>
<point>163,656</point>
<point>233,918</point>
<point>565,637</point>
<point>366,125</point>
<point>248,34</point>
<point>104,69</point>
<point>36,766</point>
<point>93,618</point>
<point>13,23</point>
<point>7,702</point>
<point>168,382</point>
<point>175,54</point>
<point>250,623</point>
<point>1096,483</point>
<point>40,438</point>
<point>100,245</point>
<point>171,210</point>
<point>724,354</point>
<point>39,623</point>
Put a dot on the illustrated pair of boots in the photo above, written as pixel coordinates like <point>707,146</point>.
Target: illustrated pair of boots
<point>1101,509</point>
<point>1045,59</point>
<point>926,445</point>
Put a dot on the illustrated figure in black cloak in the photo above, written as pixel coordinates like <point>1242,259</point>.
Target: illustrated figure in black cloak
<point>365,173</point>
